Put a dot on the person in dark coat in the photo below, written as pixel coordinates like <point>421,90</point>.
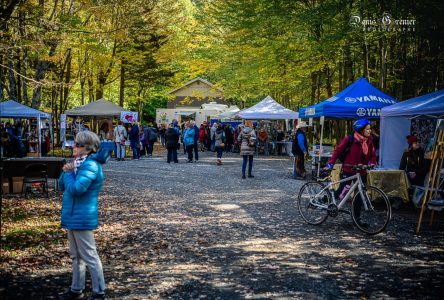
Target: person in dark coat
<point>12,146</point>
<point>134,139</point>
<point>196,141</point>
<point>413,163</point>
<point>171,141</point>
<point>300,150</point>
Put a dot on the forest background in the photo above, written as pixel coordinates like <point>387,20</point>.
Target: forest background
<point>59,54</point>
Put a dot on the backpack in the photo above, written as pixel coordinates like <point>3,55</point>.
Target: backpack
<point>343,154</point>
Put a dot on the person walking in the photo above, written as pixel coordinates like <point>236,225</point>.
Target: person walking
<point>171,141</point>
<point>355,149</point>
<point>81,182</point>
<point>152,138</point>
<point>247,138</point>
<point>134,139</point>
<point>219,143</point>
<point>188,140</point>
<point>300,150</point>
<point>212,132</point>
<point>120,136</point>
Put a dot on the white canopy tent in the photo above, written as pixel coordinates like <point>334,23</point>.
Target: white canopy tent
<point>268,109</point>
<point>15,110</point>
<point>229,113</point>
<point>396,123</point>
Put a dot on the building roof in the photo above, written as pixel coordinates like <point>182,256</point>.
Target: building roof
<point>192,81</point>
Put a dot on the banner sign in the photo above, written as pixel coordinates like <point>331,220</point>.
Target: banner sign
<point>128,116</point>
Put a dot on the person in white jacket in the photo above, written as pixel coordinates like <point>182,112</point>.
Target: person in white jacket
<point>120,136</point>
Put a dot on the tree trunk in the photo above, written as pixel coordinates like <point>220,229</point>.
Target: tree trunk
<point>24,83</point>
<point>90,86</point>
<point>348,66</point>
<point>12,95</point>
<point>382,64</point>
<point>122,83</point>
<point>101,80</point>
<point>41,68</point>
<point>365,60</point>
<point>19,79</point>
<point>340,75</point>
<point>2,95</point>
<point>328,82</point>
<point>314,81</point>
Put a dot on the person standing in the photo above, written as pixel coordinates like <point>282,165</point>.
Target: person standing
<point>120,136</point>
<point>247,138</point>
<point>171,141</point>
<point>212,132</point>
<point>219,143</point>
<point>196,141</point>
<point>134,139</point>
<point>188,140</point>
<point>152,138</point>
<point>162,131</point>
<point>81,182</point>
<point>202,137</point>
<point>300,150</point>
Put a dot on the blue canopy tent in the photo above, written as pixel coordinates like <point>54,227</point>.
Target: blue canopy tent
<point>359,100</point>
<point>13,109</point>
<point>396,123</point>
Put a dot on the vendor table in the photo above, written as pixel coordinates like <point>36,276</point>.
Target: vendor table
<point>393,182</point>
<point>15,167</point>
<point>325,156</point>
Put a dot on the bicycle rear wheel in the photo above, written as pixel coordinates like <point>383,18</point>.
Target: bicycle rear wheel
<point>375,218</point>
<point>308,201</point>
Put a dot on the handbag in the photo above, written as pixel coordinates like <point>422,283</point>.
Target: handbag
<point>222,145</point>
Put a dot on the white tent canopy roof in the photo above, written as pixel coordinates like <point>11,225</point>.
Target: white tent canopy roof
<point>229,113</point>
<point>101,107</point>
<point>268,109</point>
<point>13,109</point>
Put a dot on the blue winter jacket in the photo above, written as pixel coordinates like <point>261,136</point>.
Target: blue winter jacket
<point>81,192</point>
<point>188,137</point>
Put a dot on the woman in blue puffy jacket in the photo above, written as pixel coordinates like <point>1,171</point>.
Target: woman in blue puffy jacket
<point>81,182</point>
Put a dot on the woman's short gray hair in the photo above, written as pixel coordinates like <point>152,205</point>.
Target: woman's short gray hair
<point>89,140</point>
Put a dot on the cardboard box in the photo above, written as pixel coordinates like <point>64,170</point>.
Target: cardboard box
<point>5,186</point>
<point>17,185</point>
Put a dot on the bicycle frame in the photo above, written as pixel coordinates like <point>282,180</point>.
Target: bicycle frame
<point>357,185</point>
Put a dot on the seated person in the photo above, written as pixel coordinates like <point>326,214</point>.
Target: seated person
<point>12,146</point>
<point>413,162</point>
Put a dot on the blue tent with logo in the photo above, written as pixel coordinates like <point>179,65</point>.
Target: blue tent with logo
<point>359,100</point>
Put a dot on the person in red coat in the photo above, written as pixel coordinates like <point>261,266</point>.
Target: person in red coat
<point>361,150</point>
<point>202,137</point>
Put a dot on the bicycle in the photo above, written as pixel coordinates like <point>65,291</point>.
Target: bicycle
<point>370,206</point>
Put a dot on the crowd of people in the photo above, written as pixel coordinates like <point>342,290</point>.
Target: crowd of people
<point>21,137</point>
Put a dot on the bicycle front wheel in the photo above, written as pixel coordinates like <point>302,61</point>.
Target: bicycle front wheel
<point>312,203</point>
<point>373,216</point>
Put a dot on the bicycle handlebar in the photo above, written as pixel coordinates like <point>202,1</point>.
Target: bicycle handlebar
<point>361,167</point>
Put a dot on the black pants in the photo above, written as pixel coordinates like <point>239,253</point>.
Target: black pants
<point>196,154</point>
<point>357,208</point>
<point>172,154</point>
<point>189,150</point>
<point>246,158</point>
<point>300,165</point>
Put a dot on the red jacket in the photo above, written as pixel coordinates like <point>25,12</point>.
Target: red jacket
<point>354,155</point>
<point>202,134</point>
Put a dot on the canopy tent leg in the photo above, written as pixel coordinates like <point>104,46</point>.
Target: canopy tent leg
<point>320,145</point>
<point>39,136</point>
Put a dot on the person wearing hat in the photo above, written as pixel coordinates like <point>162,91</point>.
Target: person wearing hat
<point>300,149</point>
<point>412,162</point>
